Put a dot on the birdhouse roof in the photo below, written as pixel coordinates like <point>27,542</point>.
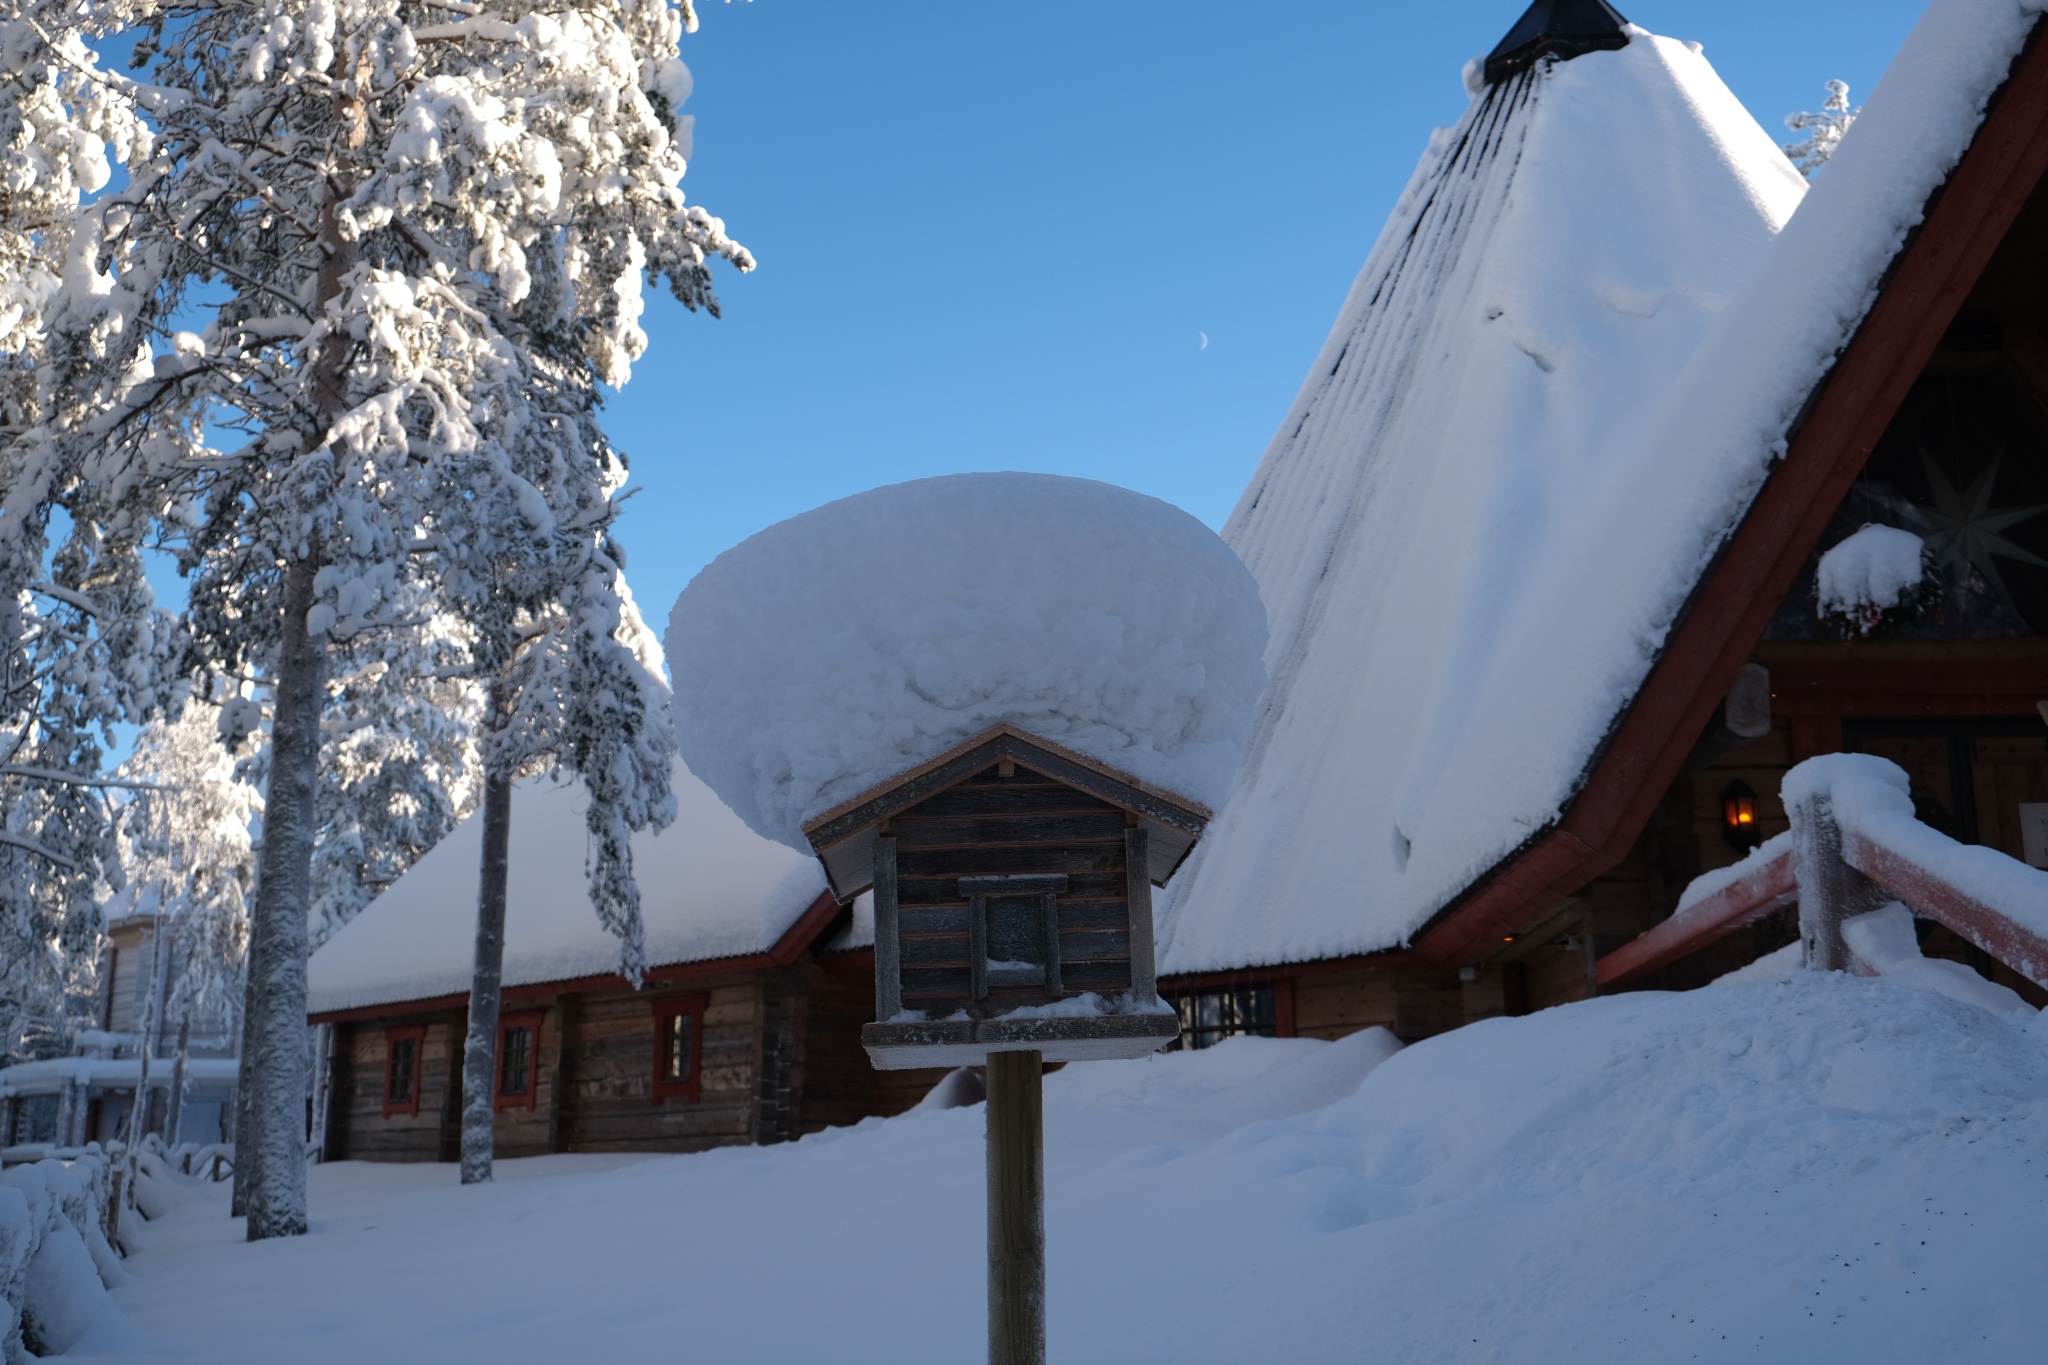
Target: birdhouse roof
<point>844,835</point>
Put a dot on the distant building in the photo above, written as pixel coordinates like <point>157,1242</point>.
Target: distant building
<point>64,1102</point>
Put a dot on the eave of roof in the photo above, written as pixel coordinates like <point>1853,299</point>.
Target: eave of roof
<point>1849,409</point>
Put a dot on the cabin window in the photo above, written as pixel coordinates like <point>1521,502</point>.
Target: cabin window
<point>402,1051</point>
<point>678,1047</point>
<point>518,1058</point>
<point>1207,1017</point>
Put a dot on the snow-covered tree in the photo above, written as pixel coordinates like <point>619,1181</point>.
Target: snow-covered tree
<point>393,217</point>
<point>81,644</point>
<point>1823,128</point>
<point>584,689</point>
<point>190,851</point>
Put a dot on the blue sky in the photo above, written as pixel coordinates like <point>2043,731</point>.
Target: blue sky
<point>993,236</point>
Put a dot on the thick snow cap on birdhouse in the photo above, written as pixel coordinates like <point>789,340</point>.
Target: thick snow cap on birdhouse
<point>1002,701</point>
<point>838,649</point>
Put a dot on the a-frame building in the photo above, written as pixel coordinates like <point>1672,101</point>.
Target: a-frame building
<point>1535,630</point>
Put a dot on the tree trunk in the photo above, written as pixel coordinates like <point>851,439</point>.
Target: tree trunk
<point>235,1115</point>
<point>274,1038</point>
<point>480,1052</point>
<point>176,1115</point>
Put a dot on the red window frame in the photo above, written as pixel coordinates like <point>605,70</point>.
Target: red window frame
<point>415,1034</point>
<point>666,1010</point>
<point>529,1020</point>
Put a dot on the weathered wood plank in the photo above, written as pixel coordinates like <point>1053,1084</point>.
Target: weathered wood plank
<point>1104,885</point>
<point>888,959</point>
<point>1138,894</point>
<point>984,862</point>
<point>1008,798</point>
<point>996,831</point>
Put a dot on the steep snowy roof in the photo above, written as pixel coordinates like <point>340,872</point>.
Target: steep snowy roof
<point>1461,535</point>
<point>709,888</point>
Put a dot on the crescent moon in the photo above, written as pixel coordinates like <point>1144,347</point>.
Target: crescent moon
<point>1205,340</point>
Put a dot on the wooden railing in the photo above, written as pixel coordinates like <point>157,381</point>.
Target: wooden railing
<point>1854,846</point>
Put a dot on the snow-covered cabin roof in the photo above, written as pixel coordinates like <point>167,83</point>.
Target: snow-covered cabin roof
<point>1463,633</point>
<point>1457,526</point>
<point>709,888</point>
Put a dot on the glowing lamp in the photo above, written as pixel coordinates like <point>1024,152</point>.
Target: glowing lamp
<point>1738,816</point>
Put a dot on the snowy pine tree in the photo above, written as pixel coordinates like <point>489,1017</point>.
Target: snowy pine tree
<point>1823,129</point>
<point>392,216</point>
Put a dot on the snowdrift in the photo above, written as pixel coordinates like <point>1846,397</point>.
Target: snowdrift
<point>1823,1167</point>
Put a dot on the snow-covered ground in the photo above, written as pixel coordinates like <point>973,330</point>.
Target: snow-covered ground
<point>1815,1168</point>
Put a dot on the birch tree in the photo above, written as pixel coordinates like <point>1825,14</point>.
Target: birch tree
<point>377,208</point>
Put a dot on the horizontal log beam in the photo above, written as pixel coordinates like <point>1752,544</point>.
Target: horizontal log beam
<point>1743,901</point>
<point>2007,939</point>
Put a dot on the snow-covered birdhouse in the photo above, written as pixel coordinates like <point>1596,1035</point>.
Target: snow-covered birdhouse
<point>1012,886</point>
<point>1008,703</point>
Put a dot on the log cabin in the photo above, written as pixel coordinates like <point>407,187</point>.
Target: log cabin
<point>746,1028</point>
<point>1540,537</point>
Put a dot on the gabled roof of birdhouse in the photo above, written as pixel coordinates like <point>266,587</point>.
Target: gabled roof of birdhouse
<point>710,889</point>
<point>844,835</point>
<point>1452,528</point>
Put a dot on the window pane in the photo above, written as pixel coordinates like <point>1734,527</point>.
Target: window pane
<point>515,1051</point>
<point>1208,1017</point>
<point>400,1091</point>
<point>676,1056</point>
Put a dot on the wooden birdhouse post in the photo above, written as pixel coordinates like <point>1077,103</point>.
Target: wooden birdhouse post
<point>1012,884</point>
<point>839,682</point>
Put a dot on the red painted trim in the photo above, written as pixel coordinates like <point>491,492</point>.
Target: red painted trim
<point>1997,934</point>
<point>1743,901</point>
<point>1933,274</point>
<point>795,941</point>
<point>529,1020</point>
<point>417,1036</point>
<point>665,1009</point>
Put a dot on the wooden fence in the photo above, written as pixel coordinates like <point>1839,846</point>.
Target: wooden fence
<point>1854,846</point>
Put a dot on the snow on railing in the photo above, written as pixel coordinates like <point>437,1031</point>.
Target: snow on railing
<point>1854,846</point>
<point>55,1260</point>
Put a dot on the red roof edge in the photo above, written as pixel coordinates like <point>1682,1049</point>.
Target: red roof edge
<point>1966,219</point>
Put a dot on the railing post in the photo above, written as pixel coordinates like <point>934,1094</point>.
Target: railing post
<point>1830,890</point>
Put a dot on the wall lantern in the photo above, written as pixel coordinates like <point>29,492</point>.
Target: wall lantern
<point>1738,816</point>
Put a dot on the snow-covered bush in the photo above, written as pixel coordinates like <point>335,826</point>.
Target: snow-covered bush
<point>1879,575</point>
<point>55,1262</point>
<point>838,648</point>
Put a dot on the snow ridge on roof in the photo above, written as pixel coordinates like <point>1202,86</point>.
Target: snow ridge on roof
<point>1556,259</point>
<point>709,888</point>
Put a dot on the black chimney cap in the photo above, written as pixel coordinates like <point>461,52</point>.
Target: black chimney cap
<point>1563,28</point>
